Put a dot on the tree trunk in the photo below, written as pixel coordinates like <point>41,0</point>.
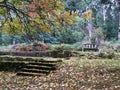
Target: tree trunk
<point>0,33</point>
<point>119,21</point>
<point>90,29</point>
<point>119,28</point>
<point>12,40</point>
<point>118,4</point>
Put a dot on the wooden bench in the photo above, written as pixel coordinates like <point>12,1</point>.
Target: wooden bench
<point>90,47</point>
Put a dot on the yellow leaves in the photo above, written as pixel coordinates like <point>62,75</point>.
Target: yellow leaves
<point>13,27</point>
<point>50,3</point>
<point>17,23</point>
<point>32,31</point>
<point>64,19</point>
<point>38,20</point>
<point>75,14</point>
<point>5,27</point>
<point>16,2</point>
<point>1,0</point>
<point>32,23</point>
<point>42,24</point>
<point>53,5</point>
<point>66,14</point>
<point>88,15</point>
<point>70,22</point>
<point>52,10</point>
<point>60,5</point>
<point>69,18</point>
<point>45,28</point>
<point>56,23</point>
<point>2,11</point>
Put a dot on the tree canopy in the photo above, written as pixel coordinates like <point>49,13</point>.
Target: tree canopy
<point>19,16</point>
<point>57,19</point>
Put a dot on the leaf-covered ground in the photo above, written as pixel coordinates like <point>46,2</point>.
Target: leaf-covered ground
<point>72,74</point>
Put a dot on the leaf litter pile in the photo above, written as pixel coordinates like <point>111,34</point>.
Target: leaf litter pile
<point>73,74</point>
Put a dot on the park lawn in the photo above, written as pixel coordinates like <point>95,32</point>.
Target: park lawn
<point>73,74</point>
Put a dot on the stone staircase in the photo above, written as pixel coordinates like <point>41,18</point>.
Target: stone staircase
<point>28,66</point>
<point>40,68</point>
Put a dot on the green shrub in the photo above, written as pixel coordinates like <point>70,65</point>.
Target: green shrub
<point>103,54</point>
<point>61,47</point>
<point>63,50</point>
<point>77,46</point>
<point>111,55</point>
<point>118,49</point>
<point>68,47</point>
<point>108,55</point>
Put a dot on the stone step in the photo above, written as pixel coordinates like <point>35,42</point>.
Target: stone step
<point>28,59</point>
<point>12,62</point>
<point>40,67</point>
<point>43,64</point>
<point>35,70</point>
<point>30,74</point>
<point>11,66</point>
<point>31,62</point>
<point>29,66</point>
<point>48,61</point>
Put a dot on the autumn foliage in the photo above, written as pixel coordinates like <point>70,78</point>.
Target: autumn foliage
<point>30,47</point>
<point>40,14</point>
<point>40,46</point>
<point>87,15</point>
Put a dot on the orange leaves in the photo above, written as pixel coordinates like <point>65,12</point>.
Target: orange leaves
<point>37,46</point>
<point>46,6</point>
<point>33,6</point>
<point>32,14</point>
<point>88,15</point>
<point>44,11</point>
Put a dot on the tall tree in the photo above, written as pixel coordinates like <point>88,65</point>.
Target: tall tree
<point>19,16</point>
<point>118,2</point>
<point>103,11</point>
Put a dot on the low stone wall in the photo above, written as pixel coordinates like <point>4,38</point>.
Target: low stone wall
<point>34,54</point>
<point>53,53</point>
<point>63,54</point>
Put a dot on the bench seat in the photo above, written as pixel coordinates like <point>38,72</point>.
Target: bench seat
<point>92,47</point>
